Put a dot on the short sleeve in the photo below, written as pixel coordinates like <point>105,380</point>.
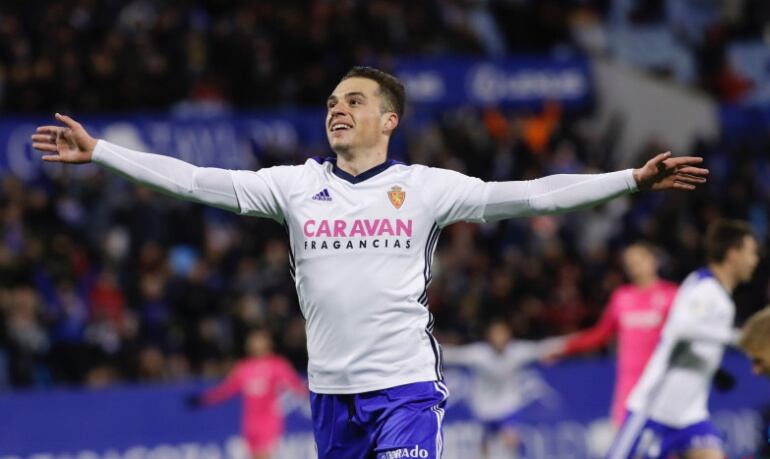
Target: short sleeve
<point>454,196</point>
<point>263,193</point>
<point>701,314</point>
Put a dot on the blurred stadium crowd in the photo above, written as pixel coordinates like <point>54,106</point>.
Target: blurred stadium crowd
<point>103,282</point>
<point>87,55</point>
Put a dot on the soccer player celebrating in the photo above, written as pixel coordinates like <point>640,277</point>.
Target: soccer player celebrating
<point>668,412</point>
<point>500,388</point>
<point>636,313</point>
<point>362,230</point>
<point>260,379</point>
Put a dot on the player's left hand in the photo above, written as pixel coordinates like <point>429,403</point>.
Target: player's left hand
<point>664,172</point>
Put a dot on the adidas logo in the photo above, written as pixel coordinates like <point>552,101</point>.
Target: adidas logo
<point>322,195</point>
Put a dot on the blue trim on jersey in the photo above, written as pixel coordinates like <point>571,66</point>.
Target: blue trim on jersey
<point>292,264</point>
<point>430,246</point>
<point>704,273</point>
<point>439,367</point>
<point>427,274</point>
<point>367,174</point>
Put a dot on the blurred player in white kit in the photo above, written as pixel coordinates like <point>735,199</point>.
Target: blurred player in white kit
<point>667,409</point>
<point>500,390</point>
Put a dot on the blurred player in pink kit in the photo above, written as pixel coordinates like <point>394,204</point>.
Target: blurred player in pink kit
<point>260,379</point>
<point>636,313</point>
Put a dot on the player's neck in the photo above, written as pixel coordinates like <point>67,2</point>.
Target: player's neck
<point>724,276</point>
<point>355,163</point>
<point>646,283</point>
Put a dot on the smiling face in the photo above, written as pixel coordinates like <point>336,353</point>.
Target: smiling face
<point>357,117</point>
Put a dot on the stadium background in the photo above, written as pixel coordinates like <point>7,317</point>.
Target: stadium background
<point>115,302</point>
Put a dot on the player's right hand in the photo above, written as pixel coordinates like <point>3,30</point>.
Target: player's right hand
<point>551,357</point>
<point>70,143</point>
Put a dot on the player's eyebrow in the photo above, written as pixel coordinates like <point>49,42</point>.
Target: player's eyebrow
<point>333,98</point>
<point>355,93</point>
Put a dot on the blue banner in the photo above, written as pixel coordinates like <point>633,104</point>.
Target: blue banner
<point>231,141</point>
<point>744,125</point>
<point>566,418</point>
<point>243,140</point>
<point>520,82</point>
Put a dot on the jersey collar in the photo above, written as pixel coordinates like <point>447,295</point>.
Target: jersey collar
<point>705,273</point>
<point>367,174</point>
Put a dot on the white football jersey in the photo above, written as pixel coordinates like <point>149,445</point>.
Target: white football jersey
<point>361,246</point>
<point>502,383</point>
<point>675,385</point>
<point>361,250</point>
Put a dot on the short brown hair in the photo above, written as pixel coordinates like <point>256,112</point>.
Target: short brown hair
<point>391,89</point>
<point>755,334</point>
<point>724,235</point>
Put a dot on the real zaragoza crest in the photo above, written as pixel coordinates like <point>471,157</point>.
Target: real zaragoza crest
<point>397,196</point>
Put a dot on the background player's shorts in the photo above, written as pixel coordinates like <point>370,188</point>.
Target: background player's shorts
<point>643,438</point>
<point>399,422</point>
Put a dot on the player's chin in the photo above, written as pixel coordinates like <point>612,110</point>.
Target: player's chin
<point>340,144</point>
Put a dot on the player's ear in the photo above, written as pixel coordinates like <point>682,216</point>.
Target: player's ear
<point>389,122</point>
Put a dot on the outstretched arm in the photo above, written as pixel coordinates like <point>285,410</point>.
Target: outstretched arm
<point>594,337</point>
<point>72,144</point>
<point>568,192</point>
<point>526,352</point>
<point>462,355</point>
<point>230,387</point>
<point>457,197</point>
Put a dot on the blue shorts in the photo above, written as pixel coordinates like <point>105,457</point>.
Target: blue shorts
<point>399,422</point>
<point>639,437</point>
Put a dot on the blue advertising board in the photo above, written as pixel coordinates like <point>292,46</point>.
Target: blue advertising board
<point>242,139</point>
<point>524,82</point>
<point>237,141</point>
<point>566,418</point>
